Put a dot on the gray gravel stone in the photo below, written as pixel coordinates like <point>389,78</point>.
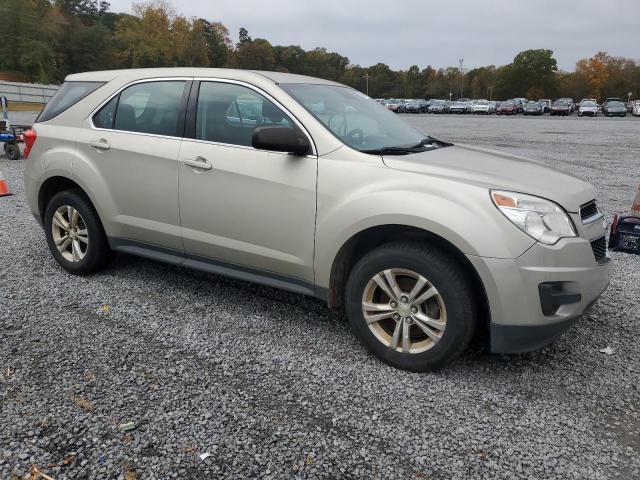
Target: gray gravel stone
<point>275,386</point>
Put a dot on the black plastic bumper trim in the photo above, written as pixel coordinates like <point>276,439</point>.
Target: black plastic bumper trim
<point>525,338</point>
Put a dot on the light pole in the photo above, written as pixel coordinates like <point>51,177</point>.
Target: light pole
<point>629,97</point>
<point>366,77</point>
<point>490,93</point>
<point>461,61</point>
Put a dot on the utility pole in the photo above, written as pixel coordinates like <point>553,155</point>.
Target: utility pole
<point>461,61</point>
<point>366,77</point>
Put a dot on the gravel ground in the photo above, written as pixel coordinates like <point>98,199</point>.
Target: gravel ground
<point>272,385</point>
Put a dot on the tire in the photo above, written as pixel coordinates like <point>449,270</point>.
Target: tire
<point>452,306</point>
<point>86,257</point>
<point>12,151</point>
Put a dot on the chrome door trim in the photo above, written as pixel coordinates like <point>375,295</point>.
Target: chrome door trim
<point>314,153</point>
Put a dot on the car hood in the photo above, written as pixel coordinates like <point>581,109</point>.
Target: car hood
<point>497,170</point>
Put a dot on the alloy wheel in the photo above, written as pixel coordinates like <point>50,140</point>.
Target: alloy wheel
<point>70,233</point>
<point>404,310</point>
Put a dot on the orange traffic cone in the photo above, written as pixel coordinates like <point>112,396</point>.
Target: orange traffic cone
<point>635,208</point>
<point>4,187</point>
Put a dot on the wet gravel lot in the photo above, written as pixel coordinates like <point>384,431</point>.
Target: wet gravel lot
<point>271,384</point>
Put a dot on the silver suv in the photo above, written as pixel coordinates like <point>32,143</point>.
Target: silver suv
<point>307,185</point>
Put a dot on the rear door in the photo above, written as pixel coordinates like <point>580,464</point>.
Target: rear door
<point>132,143</point>
<point>245,209</point>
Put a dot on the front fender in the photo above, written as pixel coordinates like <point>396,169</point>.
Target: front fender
<point>460,213</point>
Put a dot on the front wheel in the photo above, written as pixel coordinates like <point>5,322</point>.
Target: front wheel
<point>75,234</point>
<point>411,305</point>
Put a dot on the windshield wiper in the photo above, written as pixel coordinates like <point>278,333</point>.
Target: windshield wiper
<point>428,143</point>
<point>396,150</point>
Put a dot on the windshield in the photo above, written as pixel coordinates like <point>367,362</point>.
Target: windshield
<point>561,103</point>
<point>354,118</point>
<point>616,104</point>
<point>588,104</point>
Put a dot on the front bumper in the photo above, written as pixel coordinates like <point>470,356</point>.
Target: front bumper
<point>518,322</point>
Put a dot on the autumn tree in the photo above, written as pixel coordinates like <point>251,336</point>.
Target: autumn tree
<point>595,73</point>
<point>218,43</point>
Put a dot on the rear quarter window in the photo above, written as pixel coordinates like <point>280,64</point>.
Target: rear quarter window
<point>68,95</point>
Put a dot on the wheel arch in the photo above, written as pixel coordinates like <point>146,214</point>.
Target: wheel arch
<point>58,183</point>
<point>366,240</point>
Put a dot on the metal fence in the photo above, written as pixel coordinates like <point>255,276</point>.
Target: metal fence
<point>27,92</point>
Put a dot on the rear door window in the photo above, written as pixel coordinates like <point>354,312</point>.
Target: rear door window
<point>149,107</point>
<point>67,95</point>
<point>107,114</point>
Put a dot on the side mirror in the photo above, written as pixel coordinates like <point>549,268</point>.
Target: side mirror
<point>280,139</point>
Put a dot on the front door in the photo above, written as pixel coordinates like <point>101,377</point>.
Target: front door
<point>244,209</point>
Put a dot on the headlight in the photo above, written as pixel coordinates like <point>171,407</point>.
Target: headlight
<point>542,219</point>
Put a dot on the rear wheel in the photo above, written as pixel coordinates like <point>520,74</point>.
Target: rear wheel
<point>12,151</point>
<point>75,234</point>
<point>411,305</point>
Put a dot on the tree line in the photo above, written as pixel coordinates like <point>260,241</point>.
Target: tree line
<point>45,40</point>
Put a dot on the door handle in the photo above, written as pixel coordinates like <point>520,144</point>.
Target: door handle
<point>101,144</point>
<point>199,162</point>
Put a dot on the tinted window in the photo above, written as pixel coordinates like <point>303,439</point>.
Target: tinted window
<point>150,107</point>
<point>107,114</point>
<point>229,113</point>
<point>67,95</point>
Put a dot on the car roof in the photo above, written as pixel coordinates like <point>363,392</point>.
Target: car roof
<point>225,73</point>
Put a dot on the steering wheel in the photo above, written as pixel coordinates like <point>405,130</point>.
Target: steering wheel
<point>355,136</point>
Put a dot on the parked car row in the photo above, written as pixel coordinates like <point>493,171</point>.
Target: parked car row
<point>563,106</point>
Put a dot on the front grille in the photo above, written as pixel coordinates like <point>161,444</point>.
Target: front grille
<point>588,210</point>
<point>599,247</point>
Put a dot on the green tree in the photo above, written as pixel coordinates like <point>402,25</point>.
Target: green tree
<point>532,68</point>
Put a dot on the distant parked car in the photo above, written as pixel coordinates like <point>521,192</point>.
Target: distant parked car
<point>630,105</point>
<point>521,102</point>
<point>572,104</point>
<point>587,100</point>
<point>588,108</point>
<point>402,105</point>
<point>561,107</point>
<point>392,104</point>
<point>533,108</point>
<point>492,106</point>
<point>462,105</point>
<point>439,106</point>
<point>636,109</point>
<point>614,109</point>
<point>481,106</point>
<point>416,106</point>
<point>507,108</point>
<point>609,99</point>
<point>546,105</point>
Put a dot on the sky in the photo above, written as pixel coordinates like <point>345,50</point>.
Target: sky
<point>402,33</point>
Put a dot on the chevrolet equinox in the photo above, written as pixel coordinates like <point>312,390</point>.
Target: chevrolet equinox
<point>308,185</point>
